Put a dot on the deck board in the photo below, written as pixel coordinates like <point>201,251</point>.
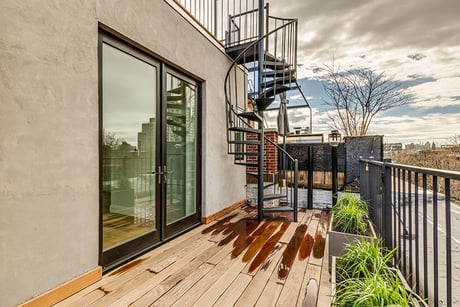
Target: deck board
<point>205,267</point>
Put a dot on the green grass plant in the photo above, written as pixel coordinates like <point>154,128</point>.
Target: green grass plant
<point>363,257</point>
<point>351,215</point>
<point>364,277</point>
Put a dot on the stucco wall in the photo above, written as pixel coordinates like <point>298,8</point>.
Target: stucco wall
<point>49,167</point>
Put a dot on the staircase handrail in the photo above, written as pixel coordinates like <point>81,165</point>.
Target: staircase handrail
<point>280,148</point>
<point>235,61</point>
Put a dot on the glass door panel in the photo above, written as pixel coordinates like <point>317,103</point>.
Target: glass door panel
<point>129,159</point>
<point>181,149</point>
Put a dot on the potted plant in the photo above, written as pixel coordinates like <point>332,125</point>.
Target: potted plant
<point>350,222</point>
<point>362,276</point>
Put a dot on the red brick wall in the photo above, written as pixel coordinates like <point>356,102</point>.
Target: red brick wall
<point>270,152</point>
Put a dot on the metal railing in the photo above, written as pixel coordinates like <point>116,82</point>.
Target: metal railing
<point>410,212</point>
<point>288,176</point>
<point>219,16</point>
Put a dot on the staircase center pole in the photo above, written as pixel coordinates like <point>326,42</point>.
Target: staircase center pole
<point>260,161</point>
<point>260,46</point>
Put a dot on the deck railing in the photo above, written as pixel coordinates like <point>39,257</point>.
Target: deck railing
<point>412,209</point>
<point>218,16</point>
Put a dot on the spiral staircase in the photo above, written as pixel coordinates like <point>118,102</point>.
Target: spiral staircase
<point>265,49</point>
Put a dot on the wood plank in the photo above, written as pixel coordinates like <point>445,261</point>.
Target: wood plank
<point>212,294</point>
<point>324,295</point>
<point>205,283</point>
<point>181,288</point>
<point>126,295</point>
<point>210,218</point>
<point>233,292</point>
<point>255,288</point>
<point>67,289</point>
<point>270,294</point>
<point>313,272</point>
<point>176,278</point>
<point>302,217</point>
<point>293,282</point>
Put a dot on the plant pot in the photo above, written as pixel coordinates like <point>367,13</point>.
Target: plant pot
<point>337,240</point>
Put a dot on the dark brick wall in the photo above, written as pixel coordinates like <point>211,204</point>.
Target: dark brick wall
<point>321,156</point>
<point>361,147</point>
<point>348,154</point>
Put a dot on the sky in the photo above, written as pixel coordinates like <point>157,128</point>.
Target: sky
<point>415,41</point>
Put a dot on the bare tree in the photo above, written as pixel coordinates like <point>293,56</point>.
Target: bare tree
<point>357,95</point>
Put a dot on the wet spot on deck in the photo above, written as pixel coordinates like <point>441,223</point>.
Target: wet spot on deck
<point>290,253</point>
<point>220,225</point>
<point>306,247</point>
<point>267,249</point>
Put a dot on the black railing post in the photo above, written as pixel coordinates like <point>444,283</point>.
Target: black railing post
<point>310,177</point>
<point>296,186</point>
<point>334,174</point>
<point>260,44</point>
<point>387,207</point>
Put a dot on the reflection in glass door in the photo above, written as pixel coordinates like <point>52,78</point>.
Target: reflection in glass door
<point>181,150</point>
<point>129,159</point>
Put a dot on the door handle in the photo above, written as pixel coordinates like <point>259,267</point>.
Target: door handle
<point>159,173</point>
<point>166,172</point>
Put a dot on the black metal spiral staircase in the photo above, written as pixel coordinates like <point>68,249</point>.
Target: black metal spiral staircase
<point>266,55</point>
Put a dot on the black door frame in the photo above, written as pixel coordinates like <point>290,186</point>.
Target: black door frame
<point>133,248</point>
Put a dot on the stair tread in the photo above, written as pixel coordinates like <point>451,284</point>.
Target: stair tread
<point>263,103</point>
<point>244,129</point>
<point>274,196</point>
<point>251,115</point>
<point>278,73</point>
<point>277,81</point>
<point>247,164</point>
<point>275,90</point>
<point>278,209</point>
<point>246,153</point>
<point>247,142</point>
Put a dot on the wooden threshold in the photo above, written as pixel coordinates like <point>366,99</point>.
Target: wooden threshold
<point>65,290</point>
<point>221,213</point>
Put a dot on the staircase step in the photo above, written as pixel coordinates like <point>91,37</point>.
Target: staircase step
<point>274,196</point>
<point>278,209</point>
<point>263,103</point>
<point>277,81</point>
<point>177,90</point>
<point>244,129</point>
<point>251,116</point>
<point>286,73</point>
<point>247,163</point>
<point>271,65</point>
<point>245,153</point>
<point>247,142</point>
<point>174,98</point>
<point>275,90</point>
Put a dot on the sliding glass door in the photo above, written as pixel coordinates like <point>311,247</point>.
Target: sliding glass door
<point>149,152</point>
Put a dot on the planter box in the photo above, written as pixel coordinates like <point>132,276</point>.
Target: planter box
<point>334,282</point>
<point>337,240</point>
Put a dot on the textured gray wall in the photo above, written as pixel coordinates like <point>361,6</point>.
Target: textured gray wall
<point>49,168</point>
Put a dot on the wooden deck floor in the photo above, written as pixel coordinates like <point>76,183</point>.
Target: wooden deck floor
<point>234,261</point>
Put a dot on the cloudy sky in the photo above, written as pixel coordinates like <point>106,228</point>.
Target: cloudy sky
<point>416,41</point>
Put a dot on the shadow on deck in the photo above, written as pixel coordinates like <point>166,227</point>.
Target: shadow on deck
<point>234,261</point>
